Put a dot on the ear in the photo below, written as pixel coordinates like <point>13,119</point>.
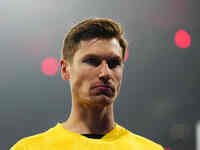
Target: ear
<point>65,67</point>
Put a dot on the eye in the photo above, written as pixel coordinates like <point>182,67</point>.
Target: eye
<point>92,61</point>
<point>113,63</point>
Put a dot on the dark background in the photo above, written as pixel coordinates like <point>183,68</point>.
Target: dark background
<point>159,96</point>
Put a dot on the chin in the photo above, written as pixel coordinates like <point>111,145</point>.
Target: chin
<point>102,99</point>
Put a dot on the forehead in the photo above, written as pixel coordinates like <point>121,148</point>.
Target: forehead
<point>100,47</point>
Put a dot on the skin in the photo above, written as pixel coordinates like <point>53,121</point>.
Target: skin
<point>92,109</point>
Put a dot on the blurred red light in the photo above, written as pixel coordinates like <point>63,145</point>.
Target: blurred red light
<point>49,66</point>
<point>182,39</point>
<point>126,55</point>
<point>167,148</point>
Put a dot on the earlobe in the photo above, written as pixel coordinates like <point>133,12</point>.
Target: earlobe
<point>66,76</point>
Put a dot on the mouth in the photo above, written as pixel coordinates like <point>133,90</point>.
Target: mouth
<point>106,90</point>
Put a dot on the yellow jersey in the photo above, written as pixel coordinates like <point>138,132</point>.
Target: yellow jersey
<point>58,138</point>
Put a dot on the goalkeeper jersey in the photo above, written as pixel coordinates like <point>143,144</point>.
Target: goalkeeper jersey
<point>58,138</point>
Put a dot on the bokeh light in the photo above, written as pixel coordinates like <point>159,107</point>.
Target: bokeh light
<point>49,66</point>
<point>182,39</point>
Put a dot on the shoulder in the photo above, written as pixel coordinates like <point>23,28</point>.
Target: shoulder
<point>140,142</point>
<point>33,141</point>
<point>146,143</point>
<point>20,145</point>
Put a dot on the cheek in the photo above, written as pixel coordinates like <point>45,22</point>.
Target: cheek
<point>81,80</point>
<point>118,77</point>
<point>118,74</point>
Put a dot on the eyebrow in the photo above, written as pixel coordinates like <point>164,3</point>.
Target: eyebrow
<point>103,57</point>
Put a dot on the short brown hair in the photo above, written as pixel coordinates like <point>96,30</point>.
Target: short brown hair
<point>88,29</point>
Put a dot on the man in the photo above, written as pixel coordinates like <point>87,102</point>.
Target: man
<point>92,62</point>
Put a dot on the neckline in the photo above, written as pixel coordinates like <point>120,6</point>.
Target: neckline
<point>93,136</point>
<point>106,138</point>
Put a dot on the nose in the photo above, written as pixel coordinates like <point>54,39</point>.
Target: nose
<point>105,71</point>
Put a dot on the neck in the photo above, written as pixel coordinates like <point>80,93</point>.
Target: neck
<point>90,121</point>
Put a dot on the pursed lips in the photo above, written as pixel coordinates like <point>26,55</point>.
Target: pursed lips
<point>105,86</point>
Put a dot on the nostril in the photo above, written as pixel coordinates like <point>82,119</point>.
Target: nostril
<point>104,79</point>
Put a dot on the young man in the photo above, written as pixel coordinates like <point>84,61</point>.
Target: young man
<point>92,62</point>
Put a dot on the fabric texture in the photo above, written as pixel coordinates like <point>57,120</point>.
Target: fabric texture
<point>58,138</point>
